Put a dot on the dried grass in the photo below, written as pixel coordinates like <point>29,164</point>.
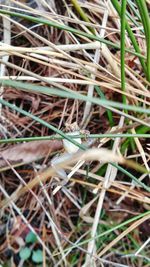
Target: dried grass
<point>100,217</point>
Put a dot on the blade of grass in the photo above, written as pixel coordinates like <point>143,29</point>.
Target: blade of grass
<point>131,35</point>
<point>72,95</point>
<point>123,79</point>
<point>35,118</point>
<point>57,137</point>
<point>109,113</point>
<point>146,25</point>
<point>69,29</point>
<point>123,26</point>
<point>144,16</point>
<point>147,188</point>
<point>131,17</point>
<point>123,234</point>
<point>114,228</point>
<point>137,15</point>
<point>140,130</point>
<point>82,13</point>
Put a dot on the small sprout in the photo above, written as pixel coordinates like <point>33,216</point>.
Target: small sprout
<point>37,256</point>
<point>25,253</point>
<point>31,238</point>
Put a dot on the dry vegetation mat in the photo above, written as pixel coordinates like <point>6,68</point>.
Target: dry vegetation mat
<point>74,133</point>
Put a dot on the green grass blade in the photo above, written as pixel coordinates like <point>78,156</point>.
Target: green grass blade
<point>147,188</point>
<point>123,26</point>
<point>72,95</point>
<point>82,13</point>
<point>114,228</point>
<point>69,29</point>
<point>146,25</point>
<point>46,124</point>
<point>137,15</point>
<point>109,113</point>
<point>131,35</point>
<point>54,137</point>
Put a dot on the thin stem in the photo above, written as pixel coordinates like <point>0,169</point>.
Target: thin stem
<point>131,35</point>
<point>123,26</point>
<point>146,25</point>
<point>82,13</point>
<point>57,137</point>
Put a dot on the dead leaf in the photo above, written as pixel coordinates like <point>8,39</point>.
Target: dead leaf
<point>29,152</point>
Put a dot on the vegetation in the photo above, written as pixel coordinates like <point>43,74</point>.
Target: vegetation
<point>74,76</point>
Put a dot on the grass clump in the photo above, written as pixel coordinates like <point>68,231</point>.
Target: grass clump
<point>81,67</point>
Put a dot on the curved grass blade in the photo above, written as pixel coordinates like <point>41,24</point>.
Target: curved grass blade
<point>69,29</point>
